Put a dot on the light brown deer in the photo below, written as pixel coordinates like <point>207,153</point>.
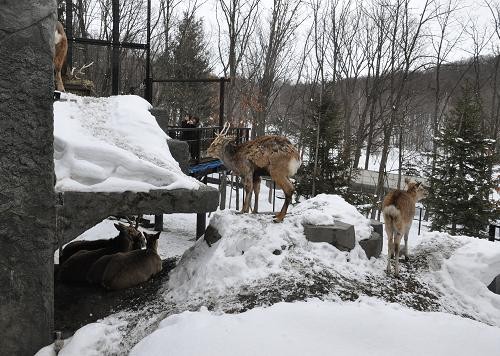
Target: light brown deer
<point>266,155</point>
<point>61,49</point>
<point>125,270</point>
<point>399,209</point>
<point>76,267</point>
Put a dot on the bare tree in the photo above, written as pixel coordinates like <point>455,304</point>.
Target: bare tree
<point>266,65</point>
<point>239,19</point>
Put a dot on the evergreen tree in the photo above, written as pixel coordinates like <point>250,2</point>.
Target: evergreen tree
<point>333,172</point>
<point>459,196</point>
<point>189,58</point>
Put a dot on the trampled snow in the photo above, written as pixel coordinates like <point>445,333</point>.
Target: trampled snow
<point>112,145</point>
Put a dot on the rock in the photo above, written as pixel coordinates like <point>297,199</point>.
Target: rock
<point>211,235</point>
<point>180,152</point>
<point>495,285</point>
<point>340,235</point>
<point>373,245</point>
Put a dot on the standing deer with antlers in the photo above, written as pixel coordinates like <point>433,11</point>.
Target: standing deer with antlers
<point>266,155</point>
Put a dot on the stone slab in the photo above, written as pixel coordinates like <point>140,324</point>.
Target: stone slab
<point>373,245</point>
<point>341,235</point>
<point>180,152</point>
<point>78,211</point>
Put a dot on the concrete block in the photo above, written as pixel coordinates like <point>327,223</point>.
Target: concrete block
<point>373,245</point>
<point>340,235</point>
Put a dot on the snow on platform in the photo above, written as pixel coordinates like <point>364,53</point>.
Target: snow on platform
<point>112,144</point>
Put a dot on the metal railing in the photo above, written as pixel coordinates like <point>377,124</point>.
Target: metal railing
<point>200,138</point>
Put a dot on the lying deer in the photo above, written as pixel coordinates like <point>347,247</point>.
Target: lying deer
<point>125,270</point>
<point>61,48</point>
<point>399,209</point>
<point>266,155</point>
<point>75,246</point>
<point>76,267</point>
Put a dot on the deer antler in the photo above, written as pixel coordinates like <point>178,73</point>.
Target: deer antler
<point>80,71</point>
<point>226,127</point>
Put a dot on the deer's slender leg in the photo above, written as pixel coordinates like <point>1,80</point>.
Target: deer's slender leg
<point>397,240</point>
<point>390,242</point>
<point>248,184</point>
<point>284,183</point>
<point>405,251</point>
<point>256,191</point>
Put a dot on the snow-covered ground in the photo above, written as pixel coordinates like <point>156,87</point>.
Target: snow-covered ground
<point>263,289</point>
<point>112,144</point>
<point>241,297</point>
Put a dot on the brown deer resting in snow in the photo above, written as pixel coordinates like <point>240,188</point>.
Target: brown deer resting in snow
<point>76,246</point>
<point>61,48</point>
<point>124,270</point>
<point>76,267</point>
<point>266,155</point>
<point>399,209</point>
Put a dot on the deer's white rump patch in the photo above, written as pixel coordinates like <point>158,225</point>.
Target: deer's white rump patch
<point>293,167</point>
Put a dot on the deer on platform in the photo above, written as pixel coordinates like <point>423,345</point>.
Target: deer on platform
<point>61,48</point>
<point>399,209</point>
<point>269,155</point>
<point>76,267</point>
<point>127,269</point>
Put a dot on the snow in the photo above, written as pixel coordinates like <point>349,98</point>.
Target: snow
<point>246,251</point>
<point>455,271</point>
<point>316,327</point>
<point>112,145</point>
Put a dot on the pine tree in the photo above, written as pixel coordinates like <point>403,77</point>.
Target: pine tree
<point>333,171</point>
<point>459,196</point>
<point>188,58</point>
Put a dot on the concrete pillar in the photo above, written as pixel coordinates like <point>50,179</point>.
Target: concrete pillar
<point>27,199</point>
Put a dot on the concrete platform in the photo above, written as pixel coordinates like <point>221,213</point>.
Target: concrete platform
<point>79,211</point>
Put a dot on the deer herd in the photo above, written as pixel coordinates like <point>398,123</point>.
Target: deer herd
<point>117,263</point>
<point>121,263</point>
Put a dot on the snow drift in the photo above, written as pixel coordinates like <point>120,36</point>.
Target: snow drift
<point>112,145</point>
<point>252,248</point>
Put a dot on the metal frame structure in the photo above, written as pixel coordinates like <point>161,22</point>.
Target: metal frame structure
<point>115,44</point>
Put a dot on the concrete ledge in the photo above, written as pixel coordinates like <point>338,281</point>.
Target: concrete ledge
<point>79,211</point>
<point>340,235</point>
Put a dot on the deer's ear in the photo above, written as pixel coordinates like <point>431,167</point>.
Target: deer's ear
<point>407,181</point>
<point>418,184</point>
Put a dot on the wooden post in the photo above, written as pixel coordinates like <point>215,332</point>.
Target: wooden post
<point>158,222</point>
<point>201,219</point>
<point>492,232</point>
<point>148,91</point>
<point>222,189</point>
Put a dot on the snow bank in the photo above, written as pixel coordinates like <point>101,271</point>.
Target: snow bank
<point>90,340</point>
<point>365,327</point>
<point>112,145</point>
<point>463,278</point>
<point>252,247</point>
